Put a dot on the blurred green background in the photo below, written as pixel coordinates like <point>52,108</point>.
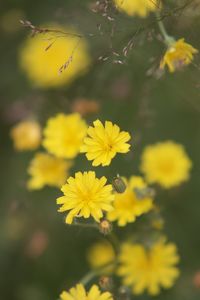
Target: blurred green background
<point>39,254</point>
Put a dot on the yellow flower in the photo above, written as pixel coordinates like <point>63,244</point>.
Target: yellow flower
<point>101,254</point>
<point>85,196</point>
<point>166,163</point>
<point>63,135</point>
<point>128,206</point>
<point>104,142</point>
<point>79,293</point>
<point>42,64</point>
<point>26,135</point>
<point>45,169</point>
<point>137,7</point>
<point>148,269</point>
<point>178,55</point>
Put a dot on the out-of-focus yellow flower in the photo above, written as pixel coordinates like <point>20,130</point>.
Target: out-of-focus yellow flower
<point>79,293</point>
<point>85,196</point>
<point>45,169</point>
<point>104,142</point>
<point>26,135</point>
<point>166,163</point>
<point>42,56</point>
<point>148,269</point>
<point>101,254</point>
<point>128,206</point>
<point>85,107</point>
<point>137,7</point>
<point>63,135</point>
<point>178,55</point>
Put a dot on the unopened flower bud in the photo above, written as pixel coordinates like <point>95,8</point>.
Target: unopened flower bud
<point>105,227</point>
<point>119,185</point>
<point>106,283</point>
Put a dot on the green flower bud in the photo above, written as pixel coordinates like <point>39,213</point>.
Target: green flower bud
<point>119,185</point>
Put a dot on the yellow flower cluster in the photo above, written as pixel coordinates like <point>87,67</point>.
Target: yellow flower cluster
<point>178,55</point>
<point>137,7</point>
<point>26,135</point>
<point>148,269</point>
<point>166,163</point>
<point>42,56</point>
<point>79,293</point>
<point>128,206</point>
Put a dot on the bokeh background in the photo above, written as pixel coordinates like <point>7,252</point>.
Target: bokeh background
<point>39,254</point>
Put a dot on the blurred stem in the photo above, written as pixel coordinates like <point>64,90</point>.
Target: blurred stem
<point>88,277</point>
<point>93,273</point>
<point>88,225</point>
<point>112,237</point>
<point>169,40</point>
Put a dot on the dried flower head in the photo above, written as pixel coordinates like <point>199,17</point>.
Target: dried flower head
<point>105,227</point>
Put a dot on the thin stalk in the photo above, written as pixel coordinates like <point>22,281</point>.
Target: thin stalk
<point>93,273</point>
<point>88,225</point>
<point>167,38</point>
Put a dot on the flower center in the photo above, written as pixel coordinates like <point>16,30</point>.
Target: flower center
<point>166,167</point>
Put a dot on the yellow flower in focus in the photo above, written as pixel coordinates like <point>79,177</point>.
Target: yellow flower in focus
<point>128,206</point>
<point>42,56</point>
<point>79,293</point>
<point>85,196</point>
<point>45,169</point>
<point>166,163</point>
<point>178,55</point>
<point>137,7</point>
<point>101,254</point>
<point>104,142</point>
<point>26,135</point>
<point>63,135</point>
<point>148,269</point>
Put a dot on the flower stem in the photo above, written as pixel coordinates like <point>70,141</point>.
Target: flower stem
<point>167,38</point>
<point>93,273</point>
<point>112,237</point>
<point>81,224</point>
<point>88,277</point>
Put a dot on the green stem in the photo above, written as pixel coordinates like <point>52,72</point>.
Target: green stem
<point>168,39</point>
<point>88,225</point>
<point>112,237</point>
<point>93,273</point>
<point>88,277</point>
